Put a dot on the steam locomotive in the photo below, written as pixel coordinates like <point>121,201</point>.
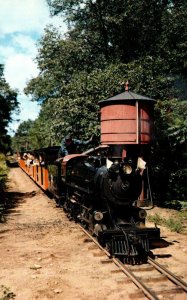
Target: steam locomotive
<point>106,188</point>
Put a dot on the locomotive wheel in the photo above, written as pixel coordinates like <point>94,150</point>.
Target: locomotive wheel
<point>71,206</point>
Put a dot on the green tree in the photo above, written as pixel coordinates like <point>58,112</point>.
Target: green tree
<point>8,105</point>
<point>22,140</point>
<point>170,153</point>
<point>124,30</point>
<point>121,29</point>
<point>173,39</point>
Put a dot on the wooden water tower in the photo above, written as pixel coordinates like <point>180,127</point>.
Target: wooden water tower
<point>127,119</point>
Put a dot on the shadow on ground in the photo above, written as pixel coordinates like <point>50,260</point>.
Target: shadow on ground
<point>12,164</point>
<point>11,201</point>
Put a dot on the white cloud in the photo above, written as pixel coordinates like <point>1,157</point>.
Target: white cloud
<point>29,110</point>
<point>18,69</point>
<point>6,52</point>
<point>18,58</point>
<point>25,43</point>
<point>23,15</point>
<point>22,23</point>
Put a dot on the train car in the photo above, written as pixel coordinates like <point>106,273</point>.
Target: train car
<point>107,188</point>
<point>42,166</point>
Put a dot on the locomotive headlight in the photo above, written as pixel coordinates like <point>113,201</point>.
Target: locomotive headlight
<point>98,215</point>
<point>127,169</point>
<point>142,214</point>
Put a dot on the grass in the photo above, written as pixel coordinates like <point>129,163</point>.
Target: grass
<point>6,294</point>
<point>174,223</point>
<point>3,171</point>
<point>3,179</point>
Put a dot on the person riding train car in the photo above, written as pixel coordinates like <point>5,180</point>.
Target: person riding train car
<point>69,145</point>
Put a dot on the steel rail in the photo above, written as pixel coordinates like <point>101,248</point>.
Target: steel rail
<point>168,274</point>
<point>149,294</point>
<point>147,291</point>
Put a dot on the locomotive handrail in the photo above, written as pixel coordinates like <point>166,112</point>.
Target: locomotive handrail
<point>95,149</point>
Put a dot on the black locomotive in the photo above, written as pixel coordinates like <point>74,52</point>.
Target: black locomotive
<point>104,200</point>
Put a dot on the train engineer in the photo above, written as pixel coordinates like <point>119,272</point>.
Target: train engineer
<point>69,145</point>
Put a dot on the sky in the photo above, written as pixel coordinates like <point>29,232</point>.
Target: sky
<point>22,24</point>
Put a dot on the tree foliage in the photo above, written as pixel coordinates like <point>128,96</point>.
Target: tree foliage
<point>8,104</point>
<point>118,29</point>
<point>170,152</point>
<point>21,140</point>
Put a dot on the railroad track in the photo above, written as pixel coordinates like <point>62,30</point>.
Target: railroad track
<point>154,280</point>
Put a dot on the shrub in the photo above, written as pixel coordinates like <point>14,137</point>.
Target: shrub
<point>3,179</point>
<point>174,223</point>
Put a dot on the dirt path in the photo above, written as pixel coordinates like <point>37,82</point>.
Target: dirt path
<point>44,256</point>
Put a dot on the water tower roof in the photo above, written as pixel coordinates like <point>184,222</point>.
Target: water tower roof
<point>126,96</point>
